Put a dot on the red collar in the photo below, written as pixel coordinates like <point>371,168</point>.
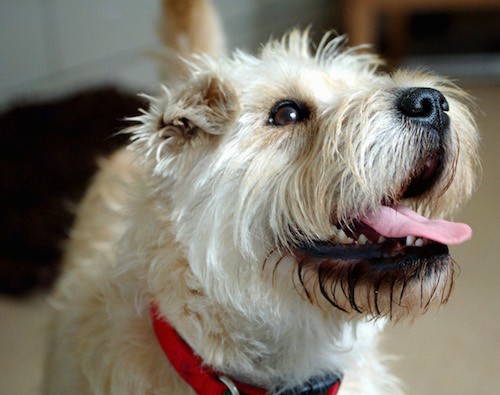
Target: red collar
<point>201,378</point>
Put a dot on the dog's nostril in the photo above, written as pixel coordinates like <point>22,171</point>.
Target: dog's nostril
<point>425,105</point>
<point>422,102</point>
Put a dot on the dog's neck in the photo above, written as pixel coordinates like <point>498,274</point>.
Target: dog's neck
<point>258,349</point>
<point>204,380</point>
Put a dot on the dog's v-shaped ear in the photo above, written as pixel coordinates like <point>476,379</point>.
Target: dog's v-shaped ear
<point>200,110</point>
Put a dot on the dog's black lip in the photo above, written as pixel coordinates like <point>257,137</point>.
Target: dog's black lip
<point>378,253</point>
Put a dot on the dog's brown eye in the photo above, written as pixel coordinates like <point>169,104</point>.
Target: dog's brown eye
<point>287,112</point>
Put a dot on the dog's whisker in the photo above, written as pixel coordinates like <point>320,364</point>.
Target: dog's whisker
<point>376,296</point>
<point>300,273</point>
<point>402,292</point>
<point>437,285</point>
<point>352,280</point>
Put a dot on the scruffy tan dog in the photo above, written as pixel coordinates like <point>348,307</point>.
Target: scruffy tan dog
<point>271,212</point>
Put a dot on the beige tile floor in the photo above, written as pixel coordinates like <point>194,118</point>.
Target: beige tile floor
<point>455,351</point>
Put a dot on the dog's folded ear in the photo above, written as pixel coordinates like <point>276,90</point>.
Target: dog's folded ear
<point>201,109</point>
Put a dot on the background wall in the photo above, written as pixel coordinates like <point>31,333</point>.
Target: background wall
<point>50,46</point>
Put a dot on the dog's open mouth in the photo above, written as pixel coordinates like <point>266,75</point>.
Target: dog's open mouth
<point>389,233</point>
<point>394,231</point>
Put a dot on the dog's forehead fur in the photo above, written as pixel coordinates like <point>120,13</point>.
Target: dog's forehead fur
<point>290,67</point>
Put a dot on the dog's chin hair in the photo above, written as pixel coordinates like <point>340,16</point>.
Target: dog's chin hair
<point>361,289</point>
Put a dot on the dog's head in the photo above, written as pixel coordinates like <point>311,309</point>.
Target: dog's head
<point>302,173</point>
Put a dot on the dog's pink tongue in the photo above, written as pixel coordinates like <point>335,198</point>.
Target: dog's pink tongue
<point>401,221</point>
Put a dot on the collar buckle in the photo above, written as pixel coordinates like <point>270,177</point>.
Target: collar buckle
<point>231,387</point>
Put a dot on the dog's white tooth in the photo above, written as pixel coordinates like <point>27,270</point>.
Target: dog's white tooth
<point>419,242</point>
<point>410,240</point>
<point>362,239</point>
<point>381,239</point>
<point>343,238</point>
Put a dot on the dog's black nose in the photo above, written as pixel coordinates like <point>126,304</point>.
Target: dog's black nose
<point>425,105</point>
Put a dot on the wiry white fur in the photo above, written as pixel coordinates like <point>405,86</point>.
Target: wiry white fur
<point>202,220</point>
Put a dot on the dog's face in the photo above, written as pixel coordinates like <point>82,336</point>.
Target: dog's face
<point>313,168</point>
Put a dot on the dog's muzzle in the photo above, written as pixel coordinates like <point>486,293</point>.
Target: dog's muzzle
<point>396,231</point>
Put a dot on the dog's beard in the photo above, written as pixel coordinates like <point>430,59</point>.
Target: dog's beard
<point>403,288</point>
